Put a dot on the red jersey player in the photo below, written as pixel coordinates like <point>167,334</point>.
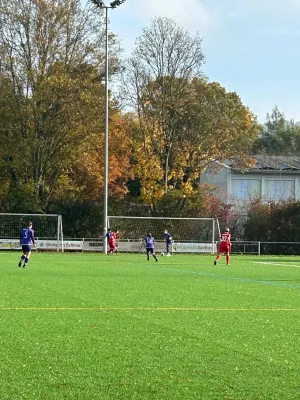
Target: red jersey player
<point>111,241</point>
<point>225,246</point>
<point>115,239</point>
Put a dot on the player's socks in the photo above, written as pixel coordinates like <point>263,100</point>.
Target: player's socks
<point>22,259</point>
<point>26,262</point>
<point>217,259</point>
<point>227,260</point>
<point>155,258</point>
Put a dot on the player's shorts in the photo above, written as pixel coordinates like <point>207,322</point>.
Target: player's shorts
<point>26,248</point>
<point>150,250</point>
<point>224,248</point>
<point>111,243</point>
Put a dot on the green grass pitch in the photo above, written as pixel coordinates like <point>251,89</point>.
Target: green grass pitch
<point>89,326</point>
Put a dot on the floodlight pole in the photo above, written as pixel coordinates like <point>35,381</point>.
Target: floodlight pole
<point>100,4</point>
<point>105,206</point>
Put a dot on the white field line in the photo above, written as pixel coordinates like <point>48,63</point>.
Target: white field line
<point>276,264</point>
<point>143,309</point>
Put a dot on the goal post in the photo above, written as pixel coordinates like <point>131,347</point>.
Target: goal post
<point>48,230</point>
<point>190,235</point>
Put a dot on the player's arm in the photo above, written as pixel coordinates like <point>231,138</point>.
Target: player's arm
<point>143,242</point>
<point>229,242</point>
<point>32,237</point>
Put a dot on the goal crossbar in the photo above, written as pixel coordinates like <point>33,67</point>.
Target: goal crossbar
<point>189,234</point>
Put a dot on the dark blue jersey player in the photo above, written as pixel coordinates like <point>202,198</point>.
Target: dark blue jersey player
<point>168,239</point>
<point>26,241</point>
<point>149,244</point>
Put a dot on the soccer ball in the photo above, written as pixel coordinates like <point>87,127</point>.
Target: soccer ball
<point>162,253</point>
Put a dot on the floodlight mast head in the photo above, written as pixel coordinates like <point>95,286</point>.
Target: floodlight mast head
<point>116,3</point>
<point>98,3</point>
<point>113,4</point>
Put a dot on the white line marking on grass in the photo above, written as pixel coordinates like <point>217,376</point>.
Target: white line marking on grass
<point>276,264</point>
<point>234,278</point>
<point>142,309</point>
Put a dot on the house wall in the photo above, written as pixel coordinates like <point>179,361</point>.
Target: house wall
<point>237,187</point>
<point>268,187</point>
<point>221,179</point>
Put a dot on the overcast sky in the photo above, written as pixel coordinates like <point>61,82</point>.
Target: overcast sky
<point>251,46</point>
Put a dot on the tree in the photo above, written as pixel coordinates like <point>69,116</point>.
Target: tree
<point>215,125</point>
<point>184,122</point>
<point>83,181</point>
<point>211,125</point>
<point>275,225</point>
<point>278,136</point>
<point>52,59</point>
<point>164,61</point>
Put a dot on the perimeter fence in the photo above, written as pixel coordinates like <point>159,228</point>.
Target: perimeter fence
<point>136,246</point>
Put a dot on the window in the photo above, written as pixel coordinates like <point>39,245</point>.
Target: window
<point>280,189</point>
<point>245,189</point>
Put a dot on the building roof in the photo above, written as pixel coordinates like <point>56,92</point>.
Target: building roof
<point>274,163</point>
<point>277,162</point>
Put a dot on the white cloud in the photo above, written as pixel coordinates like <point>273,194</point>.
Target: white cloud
<point>211,18</point>
<point>239,37</point>
<point>269,17</point>
<point>192,15</point>
<point>128,20</point>
<point>268,7</point>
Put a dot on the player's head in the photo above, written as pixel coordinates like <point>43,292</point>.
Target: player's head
<point>166,230</point>
<point>227,229</point>
<point>29,224</point>
<point>149,234</point>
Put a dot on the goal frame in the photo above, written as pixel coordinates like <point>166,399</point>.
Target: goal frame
<point>214,221</point>
<point>59,236</point>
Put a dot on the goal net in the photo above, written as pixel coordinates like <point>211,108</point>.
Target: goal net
<point>47,229</point>
<point>190,235</point>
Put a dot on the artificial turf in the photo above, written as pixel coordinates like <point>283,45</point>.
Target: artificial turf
<point>89,326</point>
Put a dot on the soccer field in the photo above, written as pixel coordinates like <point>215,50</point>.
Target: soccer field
<point>88,326</point>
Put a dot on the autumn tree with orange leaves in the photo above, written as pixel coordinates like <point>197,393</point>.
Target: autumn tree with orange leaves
<point>52,104</point>
<point>184,121</point>
<point>84,179</point>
